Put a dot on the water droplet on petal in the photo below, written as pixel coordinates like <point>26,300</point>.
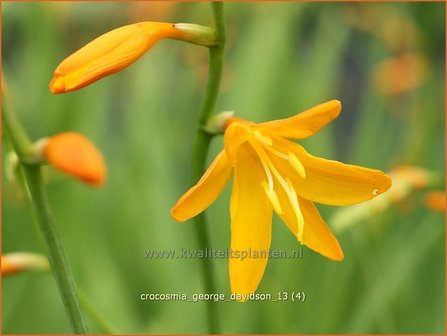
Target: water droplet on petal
<point>375,192</point>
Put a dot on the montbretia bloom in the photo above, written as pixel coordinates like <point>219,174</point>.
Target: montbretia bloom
<point>118,49</point>
<point>272,173</point>
<point>75,155</point>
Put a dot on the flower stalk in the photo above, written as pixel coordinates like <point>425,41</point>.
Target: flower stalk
<point>201,147</point>
<point>45,220</point>
<point>196,34</point>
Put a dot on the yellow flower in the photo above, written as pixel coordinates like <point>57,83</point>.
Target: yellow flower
<point>75,155</point>
<point>109,54</point>
<point>272,173</point>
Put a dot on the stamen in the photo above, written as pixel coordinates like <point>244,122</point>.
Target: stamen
<point>276,152</point>
<point>273,197</point>
<point>297,209</point>
<point>262,138</point>
<point>267,171</point>
<point>285,184</point>
<point>297,165</point>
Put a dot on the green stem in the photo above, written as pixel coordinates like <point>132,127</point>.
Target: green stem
<point>19,139</point>
<point>56,254</point>
<point>40,206</point>
<point>106,328</point>
<point>201,146</point>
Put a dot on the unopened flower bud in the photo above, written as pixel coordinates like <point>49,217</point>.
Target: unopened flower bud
<point>75,155</point>
<point>436,201</point>
<point>119,48</point>
<point>16,262</point>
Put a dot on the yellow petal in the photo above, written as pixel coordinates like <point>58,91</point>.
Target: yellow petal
<point>74,154</point>
<point>317,235</point>
<point>251,224</point>
<point>331,182</point>
<point>109,54</point>
<point>236,133</point>
<point>303,124</point>
<point>291,214</point>
<point>206,191</point>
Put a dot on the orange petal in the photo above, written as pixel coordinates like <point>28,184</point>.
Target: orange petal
<point>73,154</point>
<point>303,124</point>
<point>205,192</point>
<point>317,235</point>
<point>109,54</point>
<point>331,182</point>
<point>251,225</point>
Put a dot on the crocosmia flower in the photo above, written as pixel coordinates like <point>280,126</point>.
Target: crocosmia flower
<point>109,54</point>
<point>75,155</point>
<point>274,174</point>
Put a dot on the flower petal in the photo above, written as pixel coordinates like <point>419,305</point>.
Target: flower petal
<point>291,210</point>
<point>109,54</point>
<point>251,224</point>
<point>317,235</point>
<point>236,133</point>
<point>331,182</point>
<point>206,191</point>
<point>74,154</point>
<point>303,124</point>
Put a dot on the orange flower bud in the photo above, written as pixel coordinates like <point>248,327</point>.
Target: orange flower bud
<point>13,263</point>
<point>436,201</point>
<point>73,154</point>
<point>8,268</point>
<point>109,54</point>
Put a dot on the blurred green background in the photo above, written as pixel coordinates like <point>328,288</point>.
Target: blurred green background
<point>384,61</point>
